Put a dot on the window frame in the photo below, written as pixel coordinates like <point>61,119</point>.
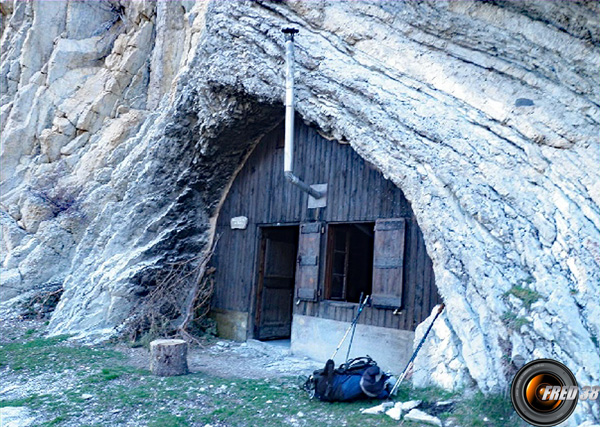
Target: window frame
<point>329,250</point>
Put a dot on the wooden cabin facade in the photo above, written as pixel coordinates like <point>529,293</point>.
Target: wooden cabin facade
<point>286,270</point>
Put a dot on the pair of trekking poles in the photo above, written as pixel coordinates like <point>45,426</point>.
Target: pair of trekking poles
<point>352,327</point>
<point>409,365</point>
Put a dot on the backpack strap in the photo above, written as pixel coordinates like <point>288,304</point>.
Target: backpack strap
<point>329,372</point>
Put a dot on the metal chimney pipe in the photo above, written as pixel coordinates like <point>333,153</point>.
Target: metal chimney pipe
<point>288,154</point>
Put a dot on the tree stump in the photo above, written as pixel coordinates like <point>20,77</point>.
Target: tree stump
<point>168,357</point>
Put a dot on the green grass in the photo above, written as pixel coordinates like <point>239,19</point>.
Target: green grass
<point>168,420</point>
<point>121,393</point>
<point>51,355</point>
<point>109,374</point>
<point>33,400</point>
<point>513,321</point>
<point>496,408</point>
<point>55,422</point>
<point>526,295</point>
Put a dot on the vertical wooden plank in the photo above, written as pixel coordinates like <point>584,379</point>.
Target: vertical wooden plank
<point>270,194</point>
<point>239,268</point>
<point>323,160</point>
<point>340,177</point>
<point>380,317</point>
<point>354,207</point>
<point>299,160</point>
<point>419,279</point>
<point>280,191</point>
<point>312,154</point>
<point>334,184</point>
<point>347,191</point>
<point>411,276</point>
<point>220,283</point>
<point>351,186</point>
<point>389,189</point>
<point>368,315</point>
<point>267,194</point>
<point>388,318</point>
<point>372,185</point>
<point>363,191</point>
<point>427,300</point>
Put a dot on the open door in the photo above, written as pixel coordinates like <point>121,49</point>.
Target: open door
<point>275,291</point>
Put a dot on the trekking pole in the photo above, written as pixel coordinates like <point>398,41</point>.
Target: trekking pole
<point>353,330</point>
<point>414,355</point>
<point>360,309</point>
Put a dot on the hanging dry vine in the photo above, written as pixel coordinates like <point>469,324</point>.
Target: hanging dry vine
<point>180,296</point>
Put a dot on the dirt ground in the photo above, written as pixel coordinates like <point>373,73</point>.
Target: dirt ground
<point>230,359</point>
<point>58,382</point>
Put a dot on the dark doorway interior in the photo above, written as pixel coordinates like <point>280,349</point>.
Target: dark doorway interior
<point>276,276</point>
<point>349,261</point>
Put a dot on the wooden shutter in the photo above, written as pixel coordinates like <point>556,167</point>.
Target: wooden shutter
<point>307,273</point>
<point>388,262</point>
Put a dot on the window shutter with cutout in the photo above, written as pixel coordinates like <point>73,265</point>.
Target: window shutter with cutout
<point>307,272</point>
<point>388,262</point>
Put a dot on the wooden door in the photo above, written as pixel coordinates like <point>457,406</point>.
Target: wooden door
<point>276,282</point>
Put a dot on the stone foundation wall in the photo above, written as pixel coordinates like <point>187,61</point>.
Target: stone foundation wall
<point>232,325</point>
<point>318,338</point>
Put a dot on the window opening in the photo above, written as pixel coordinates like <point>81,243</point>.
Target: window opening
<point>349,261</point>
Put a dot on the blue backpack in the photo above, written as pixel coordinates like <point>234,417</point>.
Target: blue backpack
<point>356,379</point>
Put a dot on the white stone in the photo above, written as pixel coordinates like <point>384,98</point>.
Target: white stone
<point>395,412</point>
<point>411,404</point>
<point>16,416</point>
<point>75,144</point>
<point>378,409</point>
<point>422,417</point>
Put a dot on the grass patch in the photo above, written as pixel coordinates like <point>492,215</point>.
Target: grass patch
<point>168,420</point>
<point>513,321</point>
<point>56,421</point>
<point>526,295</point>
<point>52,355</point>
<point>486,411</point>
<point>33,400</point>
<point>427,394</point>
<point>121,393</point>
<point>109,374</point>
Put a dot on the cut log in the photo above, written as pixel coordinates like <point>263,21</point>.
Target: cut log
<point>168,358</point>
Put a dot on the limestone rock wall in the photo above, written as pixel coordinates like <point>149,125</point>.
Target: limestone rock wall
<point>123,123</point>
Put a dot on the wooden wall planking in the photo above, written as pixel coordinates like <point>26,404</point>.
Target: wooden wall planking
<point>356,192</point>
